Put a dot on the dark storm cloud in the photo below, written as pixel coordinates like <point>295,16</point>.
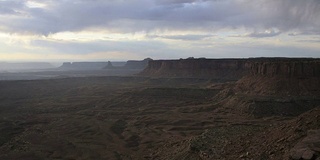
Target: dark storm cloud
<point>148,15</point>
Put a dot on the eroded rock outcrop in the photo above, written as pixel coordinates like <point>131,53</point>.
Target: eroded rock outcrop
<point>131,64</point>
<point>288,67</point>
<point>281,76</point>
<point>109,66</point>
<point>308,148</point>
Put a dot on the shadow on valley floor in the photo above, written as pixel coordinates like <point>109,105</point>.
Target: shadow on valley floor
<point>148,118</point>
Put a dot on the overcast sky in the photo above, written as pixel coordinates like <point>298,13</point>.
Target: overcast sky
<point>100,30</point>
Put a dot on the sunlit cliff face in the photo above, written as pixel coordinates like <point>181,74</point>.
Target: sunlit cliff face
<point>58,30</point>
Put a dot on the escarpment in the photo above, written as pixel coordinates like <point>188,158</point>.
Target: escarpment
<point>282,76</point>
<point>131,64</point>
<point>287,67</point>
<point>288,76</point>
<point>134,64</point>
<point>209,68</point>
<point>234,68</point>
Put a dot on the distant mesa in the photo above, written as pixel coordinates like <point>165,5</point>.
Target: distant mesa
<point>131,64</point>
<point>233,69</point>
<point>117,63</point>
<point>83,65</point>
<point>137,64</point>
<point>192,67</point>
<point>265,76</point>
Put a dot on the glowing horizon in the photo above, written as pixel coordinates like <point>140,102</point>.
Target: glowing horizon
<point>80,30</point>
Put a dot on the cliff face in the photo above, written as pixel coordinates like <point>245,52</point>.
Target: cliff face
<point>137,64</point>
<point>234,68</point>
<point>293,76</point>
<point>285,67</point>
<point>213,68</point>
<point>131,64</point>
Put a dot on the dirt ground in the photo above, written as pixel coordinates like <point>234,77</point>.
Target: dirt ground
<point>149,118</point>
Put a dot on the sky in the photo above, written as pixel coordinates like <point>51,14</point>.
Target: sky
<point>101,30</point>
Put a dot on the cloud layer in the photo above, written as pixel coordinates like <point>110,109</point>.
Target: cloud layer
<point>52,16</point>
<point>160,28</point>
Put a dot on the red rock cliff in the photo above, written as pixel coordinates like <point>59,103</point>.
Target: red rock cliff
<point>288,67</point>
<point>213,68</point>
<point>234,68</point>
<point>282,76</point>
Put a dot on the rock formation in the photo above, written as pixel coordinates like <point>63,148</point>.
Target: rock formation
<point>281,76</point>
<point>308,148</point>
<point>109,66</point>
<point>212,68</point>
<point>131,64</point>
<point>234,68</point>
<point>137,64</point>
<point>288,67</point>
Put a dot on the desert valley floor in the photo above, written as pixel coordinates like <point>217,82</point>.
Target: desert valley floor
<point>147,118</point>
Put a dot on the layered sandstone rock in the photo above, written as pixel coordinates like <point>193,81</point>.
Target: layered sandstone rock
<point>281,76</point>
<point>288,67</point>
<point>234,68</point>
<point>211,68</point>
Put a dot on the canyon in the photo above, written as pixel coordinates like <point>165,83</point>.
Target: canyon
<point>254,108</point>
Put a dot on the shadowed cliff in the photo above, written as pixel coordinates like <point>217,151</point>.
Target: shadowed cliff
<point>285,76</point>
<point>131,64</point>
<point>233,69</point>
<point>208,68</point>
<point>288,67</point>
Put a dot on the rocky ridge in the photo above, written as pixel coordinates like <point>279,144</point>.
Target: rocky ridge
<point>131,64</point>
<point>234,69</point>
<point>209,68</point>
<point>264,92</point>
<point>288,67</point>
